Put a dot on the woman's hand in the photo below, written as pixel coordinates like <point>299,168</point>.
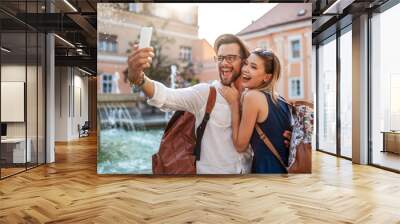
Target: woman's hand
<point>287,135</point>
<point>231,94</point>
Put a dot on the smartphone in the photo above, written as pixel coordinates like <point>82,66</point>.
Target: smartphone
<point>145,37</point>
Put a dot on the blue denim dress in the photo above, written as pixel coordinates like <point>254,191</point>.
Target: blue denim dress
<point>277,122</point>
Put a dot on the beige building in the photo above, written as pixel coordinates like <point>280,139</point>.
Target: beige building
<point>206,69</point>
<point>175,25</point>
<point>286,30</point>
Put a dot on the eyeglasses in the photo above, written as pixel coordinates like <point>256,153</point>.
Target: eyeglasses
<point>230,58</point>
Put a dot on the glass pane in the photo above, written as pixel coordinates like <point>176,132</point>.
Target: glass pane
<point>385,86</point>
<point>327,97</point>
<point>23,82</point>
<point>346,94</point>
<point>31,86</point>
<point>314,94</point>
<point>41,98</point>
<point>296,48</point>
<point>31,98</point>
<point>13,87</point>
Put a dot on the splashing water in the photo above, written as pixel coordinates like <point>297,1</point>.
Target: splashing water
<point>127,152</point>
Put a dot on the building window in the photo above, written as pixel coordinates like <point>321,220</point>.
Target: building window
<point>295,48</point>
<point>185,53</point>
<point>296,88</point>
<point>107,83</point>
<point>262,45</point>
<point>108,42</point>
<point>112,46</point>
<point>327,96</point>
<point>135,7</point>
<point>345,93</point>
<point>103,45</point>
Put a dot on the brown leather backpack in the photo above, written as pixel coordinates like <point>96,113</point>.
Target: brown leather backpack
<point>300,154</point>
<point>180,146</point>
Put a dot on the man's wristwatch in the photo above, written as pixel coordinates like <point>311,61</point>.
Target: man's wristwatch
<point>140,83</point>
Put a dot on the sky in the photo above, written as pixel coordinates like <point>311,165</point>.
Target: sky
<point>216,19</point>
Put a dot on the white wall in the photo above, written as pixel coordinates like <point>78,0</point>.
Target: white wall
<point>61,103</point>
<point>69,85</point>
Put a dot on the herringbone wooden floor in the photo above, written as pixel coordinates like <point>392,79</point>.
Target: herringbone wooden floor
<point>70,191</point>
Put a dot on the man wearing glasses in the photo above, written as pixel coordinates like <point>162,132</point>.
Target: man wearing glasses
<point>218,154</point>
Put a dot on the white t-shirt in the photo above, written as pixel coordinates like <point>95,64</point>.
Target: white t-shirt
<point>218,154</point>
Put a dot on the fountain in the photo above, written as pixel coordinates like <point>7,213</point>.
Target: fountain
<point>126,144</point>
<point>118,115</point>
<point>172,77</point>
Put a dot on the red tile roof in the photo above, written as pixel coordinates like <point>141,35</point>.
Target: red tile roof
<point>281,14</point>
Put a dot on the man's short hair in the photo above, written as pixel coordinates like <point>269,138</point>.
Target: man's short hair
<point>229,39</point>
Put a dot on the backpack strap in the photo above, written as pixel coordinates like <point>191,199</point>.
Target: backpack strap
<point>270,146</point>
<point>212,96</point>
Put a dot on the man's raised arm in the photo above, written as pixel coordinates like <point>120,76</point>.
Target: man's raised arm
<point>190,99</point>
<point>137,62</point>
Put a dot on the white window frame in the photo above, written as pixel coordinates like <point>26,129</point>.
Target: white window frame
<point>290,50</point>
<point>108,82</point>
<point>290,87</point>
<point>185,53</point>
